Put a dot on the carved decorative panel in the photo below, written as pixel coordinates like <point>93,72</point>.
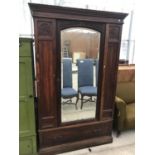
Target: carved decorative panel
<point>114,32</point>
<point>44,28</point>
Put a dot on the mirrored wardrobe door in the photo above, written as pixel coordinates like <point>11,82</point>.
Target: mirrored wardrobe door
<point>79,73</point>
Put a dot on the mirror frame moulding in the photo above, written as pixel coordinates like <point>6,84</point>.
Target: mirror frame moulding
<point>85,25</point>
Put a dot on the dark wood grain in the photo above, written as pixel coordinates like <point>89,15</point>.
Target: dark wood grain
<point>46,72</point>
<point>66,134</point>
<point>75,145</point>
<point>57,12</point>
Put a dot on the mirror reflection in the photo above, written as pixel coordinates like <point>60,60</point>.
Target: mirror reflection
<point>79,73</point>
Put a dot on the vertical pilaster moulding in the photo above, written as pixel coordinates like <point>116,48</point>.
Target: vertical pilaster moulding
<point>46,72</point>
<point>111,59</point>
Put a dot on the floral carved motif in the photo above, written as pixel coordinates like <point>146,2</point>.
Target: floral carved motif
<point>114,33</point>
<point>44,29</point>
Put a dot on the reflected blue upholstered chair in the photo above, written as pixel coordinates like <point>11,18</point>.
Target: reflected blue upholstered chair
<point>67,91</point>
<point>85,79</point>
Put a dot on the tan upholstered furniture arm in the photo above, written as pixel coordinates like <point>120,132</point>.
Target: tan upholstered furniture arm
<point>121,107</point>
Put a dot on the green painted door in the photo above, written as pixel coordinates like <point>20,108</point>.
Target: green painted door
<point>27,134</point>
<point>26,101</point>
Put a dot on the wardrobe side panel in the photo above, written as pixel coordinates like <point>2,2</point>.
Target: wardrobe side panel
<point>111,58</point>
<point>46,72</point>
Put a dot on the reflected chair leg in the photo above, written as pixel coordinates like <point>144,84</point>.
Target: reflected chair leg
<point>81,101</point>
<point>91,99</point>
<point>76,101</point>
